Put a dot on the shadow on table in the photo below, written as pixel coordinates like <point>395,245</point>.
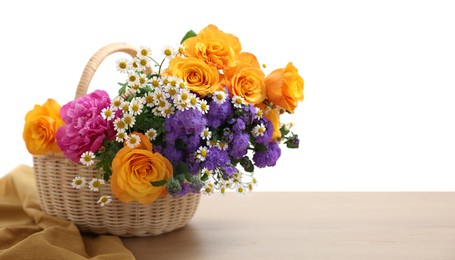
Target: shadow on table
<point>178,244</point>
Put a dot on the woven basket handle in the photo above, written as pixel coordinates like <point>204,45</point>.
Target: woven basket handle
<point>95,61</point>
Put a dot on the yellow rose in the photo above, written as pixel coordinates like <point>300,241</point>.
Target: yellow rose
<point>201,78</point>
<point>247,79</point>
<point>133,170</point>
<point>285,87</point>
<point>214,47</point>
<point>41,124</point>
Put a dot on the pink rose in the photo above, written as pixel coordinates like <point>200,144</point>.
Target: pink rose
<point>84,129</point>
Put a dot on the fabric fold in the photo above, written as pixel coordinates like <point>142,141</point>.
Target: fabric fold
<point>26,232</point>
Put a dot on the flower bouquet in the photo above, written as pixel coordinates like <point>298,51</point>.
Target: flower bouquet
<point>198,120</point>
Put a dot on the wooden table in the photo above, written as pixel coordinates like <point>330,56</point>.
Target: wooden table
<point>309,225</point>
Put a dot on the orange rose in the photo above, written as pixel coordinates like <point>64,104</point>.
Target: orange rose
<point>214,47</point>
<point>247,79</point>
<point>41,124</point>
<point>201,78</point>
<point>273,115</point>
<point>133,170</point>
<point>285,87</point>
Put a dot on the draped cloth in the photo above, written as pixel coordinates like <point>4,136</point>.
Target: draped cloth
<point>26,232</point>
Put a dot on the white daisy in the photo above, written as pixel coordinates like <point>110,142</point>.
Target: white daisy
<point>158,95</point>
<point>136,106</point>
<point>87,158</point>
<point>142,80</point>
<point>258,130</point>
<point>144,63</point>
<point>238,101</point>
<point>219,97</point>
<point>107,114</point>
<point>119,124</point>
<point>151,134</point>
<point>120,136</point>
<point>104,200</point>
<point>193,100</point>
<point>203,106</point>
<point>182,106</point>
<point>206,171</point>
<point>156,111</point>
<point>149,99</point>
<point>173,81</point>
<point>133,79</point>
<point>172,90</point>
<point>201,153</point>
<point>129,119</point>
<point>125,106</point>
<point>259,114</point>
<point>168,111</point>
<point>183,96</point>
<point>95,184</point>
<point>181,50</point>
<point>116,103</point>
<point>133,141</point>
<point>169,52</point>
<point>206,134</point>
<point>211,143</point>
<point>165,80</point>
<point>134,64</point>
<point>78,182</point>
<point>155,81</point>
<point>122,65</point>
<point>208,189</point>
<point>222,145</point>
<point>182,84</point>
<point>144,52</point>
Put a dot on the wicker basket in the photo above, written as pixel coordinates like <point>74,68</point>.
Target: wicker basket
<point>54,173</point>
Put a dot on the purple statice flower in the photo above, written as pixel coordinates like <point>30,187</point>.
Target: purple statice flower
<point>227,135</point>
<point>265,138</point>
<point>249,113</point>
<point>216,158</point>
<point>196,184</point>
<point>185,189</point>
<point>268,157</point>
<point>84,129</point>
<point>193,164</point>
<point>218,114</point>
<point>238,125</point>
<point>172,154</point>
<point>238,146</point>
<point>189,122</point>
<point>228,171</point>
<point>182,134</point>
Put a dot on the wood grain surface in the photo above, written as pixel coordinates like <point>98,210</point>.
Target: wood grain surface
<point>312,225</point>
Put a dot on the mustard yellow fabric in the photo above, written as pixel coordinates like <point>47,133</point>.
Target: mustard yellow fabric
<point>26,232</point>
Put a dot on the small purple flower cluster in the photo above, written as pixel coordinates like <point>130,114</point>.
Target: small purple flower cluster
<point>231,139</point>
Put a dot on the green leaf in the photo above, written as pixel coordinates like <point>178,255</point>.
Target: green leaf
<point>180,168</point>
<point>283,131</point>
<point>188,176</point>
<point>189,34</point>
<point>180,177</point>
<point>204,177</point>
<point>247,164</point>
<point>260,147</point>
<point>122,90</point>
<point>158,183</point>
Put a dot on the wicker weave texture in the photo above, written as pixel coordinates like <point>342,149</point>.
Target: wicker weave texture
<point>54,174</point>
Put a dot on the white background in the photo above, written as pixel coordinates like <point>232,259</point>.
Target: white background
<point>379,79</point>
